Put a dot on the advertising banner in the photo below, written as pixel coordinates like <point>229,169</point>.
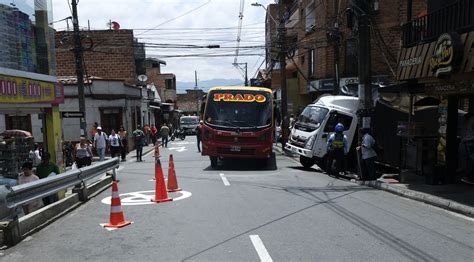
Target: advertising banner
<point>18,90</point>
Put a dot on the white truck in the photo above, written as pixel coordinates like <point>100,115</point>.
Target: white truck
<point>309,135</point>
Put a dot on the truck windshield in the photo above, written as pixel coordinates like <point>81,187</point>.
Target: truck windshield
<point>312,116</point>
<point>189,121</point>
<point>242,109</point>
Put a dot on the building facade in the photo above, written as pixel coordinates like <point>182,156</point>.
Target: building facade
<point>113,62</point>
<point>436,66</point>
<point>29,92</point>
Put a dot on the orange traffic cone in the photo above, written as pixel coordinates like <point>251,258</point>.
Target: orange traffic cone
<point>161,195</point>
<point>157,149</point>
<point>172,181</point>
<point>117,219</point>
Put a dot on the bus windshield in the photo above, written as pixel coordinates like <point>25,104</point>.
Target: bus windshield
<point>239,109</point>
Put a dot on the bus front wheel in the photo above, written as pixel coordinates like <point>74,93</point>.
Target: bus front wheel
<point>213,161</point>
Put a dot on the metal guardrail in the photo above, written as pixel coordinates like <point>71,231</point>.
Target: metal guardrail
<point>12,197</point>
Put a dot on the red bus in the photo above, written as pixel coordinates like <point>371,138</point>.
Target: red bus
<point>238,123</point>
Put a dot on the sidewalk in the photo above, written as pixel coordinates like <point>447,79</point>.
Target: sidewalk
<point>131,155</point>
<point>458,198</point>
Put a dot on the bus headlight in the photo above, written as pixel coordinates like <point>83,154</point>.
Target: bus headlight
<point>309,143</point>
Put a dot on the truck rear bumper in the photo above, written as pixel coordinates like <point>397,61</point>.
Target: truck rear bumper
<point>298,150</point>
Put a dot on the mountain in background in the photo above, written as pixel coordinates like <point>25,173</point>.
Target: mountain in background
<point>206,84</point>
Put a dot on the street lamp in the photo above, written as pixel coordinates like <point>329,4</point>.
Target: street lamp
<point>270,15</point>
<point>282,58</point>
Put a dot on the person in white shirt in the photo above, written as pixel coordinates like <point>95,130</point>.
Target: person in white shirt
<point>27,177</point>
<point>368,155</point>
<point>114,142</point>
<point>35,156</point>
<point>100,139</point>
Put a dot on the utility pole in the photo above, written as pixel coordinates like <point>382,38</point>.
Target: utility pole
<point>365,78</point>
<point>284,95</point>
<point>78,54</point>
<point>336,41</point>
<point>246,76</point>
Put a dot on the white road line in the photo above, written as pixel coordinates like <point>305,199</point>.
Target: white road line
<point>149,153</point>
<point>224,179</point>
<point>260,247</point>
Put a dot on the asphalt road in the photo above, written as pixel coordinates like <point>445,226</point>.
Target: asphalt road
<point>242,213</point>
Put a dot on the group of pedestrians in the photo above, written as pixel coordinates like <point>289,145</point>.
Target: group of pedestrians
<point>143,137</point>
<point>338,148</point>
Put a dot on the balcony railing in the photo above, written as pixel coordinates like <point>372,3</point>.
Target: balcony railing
<point>456,17</point>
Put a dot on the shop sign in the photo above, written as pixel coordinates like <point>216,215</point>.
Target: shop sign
<point>24,90</point>
<point>411,61</point>
<point>323,85</point>
<point>447,55</point>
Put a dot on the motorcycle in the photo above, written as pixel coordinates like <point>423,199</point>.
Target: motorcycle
<point>178,134</point>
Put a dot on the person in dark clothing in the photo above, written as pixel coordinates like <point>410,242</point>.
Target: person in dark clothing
<point>198,135</point>
<point>139,141</point>
<point>124,143</point>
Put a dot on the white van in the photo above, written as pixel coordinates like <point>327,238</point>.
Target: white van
<point>314,125</point>
<point>188,124</point>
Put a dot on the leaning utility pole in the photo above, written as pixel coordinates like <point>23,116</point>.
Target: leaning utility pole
<point>282,54</point>
<point>78,53</point>
<point>365,78</point>
<point>336,41</point>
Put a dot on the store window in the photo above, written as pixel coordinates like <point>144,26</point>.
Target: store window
<point>21,122</point>
<point>27,40</point>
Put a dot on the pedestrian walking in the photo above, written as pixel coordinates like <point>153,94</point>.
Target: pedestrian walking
<point>100,139</point>
<point>45,169</point>
<point>337,148</point>
<point>35,156</point>
<point>146,130</point>
<point>153,134</point>
<point>198,135</point>
<point>83,153</point>
<point>164,133</point>
<point>124,143</point>
<point>114,142</point>
<point>368,149</point>
<point>27,177</point>
<point>139,141</point>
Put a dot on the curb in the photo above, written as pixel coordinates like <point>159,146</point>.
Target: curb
<point>422,197</point>
<point>414,195</point>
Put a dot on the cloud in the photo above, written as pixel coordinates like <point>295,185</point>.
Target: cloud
<point>148,14</point>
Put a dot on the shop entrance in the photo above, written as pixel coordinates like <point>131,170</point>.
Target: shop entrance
<point>111,118</point>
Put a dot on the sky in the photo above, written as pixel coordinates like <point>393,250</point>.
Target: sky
<point>172,29</point>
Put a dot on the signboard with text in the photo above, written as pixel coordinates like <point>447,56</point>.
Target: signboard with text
<point>18,90</point>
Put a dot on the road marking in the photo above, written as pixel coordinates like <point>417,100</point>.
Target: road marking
<point>224,179</point>
<point>260,247</point>
<point>182,143</point>
<point>178,149</point>
<point>143,198</point>
<point>149,153</point>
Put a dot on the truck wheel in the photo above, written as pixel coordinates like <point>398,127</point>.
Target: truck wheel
<point>213,161</point>
<point>307,162</point>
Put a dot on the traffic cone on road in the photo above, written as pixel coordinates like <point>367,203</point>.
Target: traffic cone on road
<point>161,195</point>
<point>157,149</point>
<point>172,181</point>
<point>117,219</point>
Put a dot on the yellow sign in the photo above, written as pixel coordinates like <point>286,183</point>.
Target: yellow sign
<point>239,98</point>
<point>24,90</point>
